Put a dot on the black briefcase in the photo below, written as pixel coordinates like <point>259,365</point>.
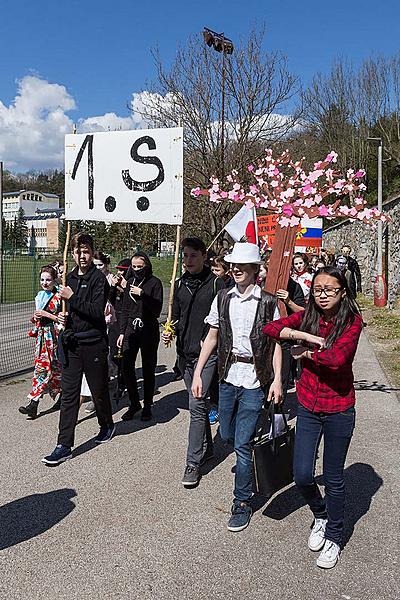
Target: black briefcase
<point>272,457</point>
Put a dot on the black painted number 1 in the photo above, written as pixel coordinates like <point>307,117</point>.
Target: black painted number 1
<point>88,141</point>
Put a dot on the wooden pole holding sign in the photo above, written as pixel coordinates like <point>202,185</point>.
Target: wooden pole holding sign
<point>65,255</point>
<point>174,272</point>
<point>281,262</point>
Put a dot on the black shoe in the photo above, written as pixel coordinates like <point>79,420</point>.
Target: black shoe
<point>60,454</point>
<point>147,415</point>
<point>31,410</point>
<point>131,412</point>
<point>105,434</point>
<point>191,476</point>
<point>177,377</point>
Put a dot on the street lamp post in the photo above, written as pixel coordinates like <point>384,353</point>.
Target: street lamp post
<point>380,285</point>
<point>221,44</point>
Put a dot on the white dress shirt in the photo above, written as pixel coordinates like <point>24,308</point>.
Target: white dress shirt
<point>242,312</point>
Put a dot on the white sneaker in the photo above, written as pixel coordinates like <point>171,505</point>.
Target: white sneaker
<point>317,535</point>
<point>329,555</point>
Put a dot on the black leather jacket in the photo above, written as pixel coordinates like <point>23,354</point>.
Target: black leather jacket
<point>262,345</point>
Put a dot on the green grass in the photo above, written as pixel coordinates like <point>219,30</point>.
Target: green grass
<point>21,275</point>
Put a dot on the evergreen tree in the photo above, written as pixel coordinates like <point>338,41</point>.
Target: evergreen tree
<point>20,230</point>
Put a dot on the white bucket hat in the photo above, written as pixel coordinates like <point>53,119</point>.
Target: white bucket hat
<point>244,252</point>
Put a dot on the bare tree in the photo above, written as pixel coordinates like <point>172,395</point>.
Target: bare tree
<point>346,106</point>
<point>258,86</point>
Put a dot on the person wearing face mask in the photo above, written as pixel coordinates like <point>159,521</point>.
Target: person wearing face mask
<point>139,330</point>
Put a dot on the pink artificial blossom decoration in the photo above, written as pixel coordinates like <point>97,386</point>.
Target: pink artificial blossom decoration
<point>284,188</point>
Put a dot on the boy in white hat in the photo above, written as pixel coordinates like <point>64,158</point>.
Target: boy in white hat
<point>249,366</point>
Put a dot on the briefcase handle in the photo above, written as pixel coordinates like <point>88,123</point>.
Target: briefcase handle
<point>269,420</point>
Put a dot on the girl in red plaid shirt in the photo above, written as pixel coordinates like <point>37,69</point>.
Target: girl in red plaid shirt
<point>327,333</point>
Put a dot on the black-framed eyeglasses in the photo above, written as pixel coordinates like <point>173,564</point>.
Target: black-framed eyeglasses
<point>328,291</point>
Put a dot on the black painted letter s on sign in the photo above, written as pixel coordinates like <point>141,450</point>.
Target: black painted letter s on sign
<point>144,186</point>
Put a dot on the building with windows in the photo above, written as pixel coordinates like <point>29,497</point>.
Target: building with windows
<point>43,224</point>
<point>43,231</point>
<point>29,201</point>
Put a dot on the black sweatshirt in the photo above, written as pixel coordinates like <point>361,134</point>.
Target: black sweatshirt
<point>86,305</point>
<point>146,307</point>
<point>190,308</point>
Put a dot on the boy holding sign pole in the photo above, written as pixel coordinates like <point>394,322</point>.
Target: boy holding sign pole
<point>193,295</point>
<point>83,348</point>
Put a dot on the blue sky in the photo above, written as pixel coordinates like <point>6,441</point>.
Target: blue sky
<point>100,51</point>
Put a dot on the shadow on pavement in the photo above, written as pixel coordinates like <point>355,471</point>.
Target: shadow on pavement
<point>373,386</point>
<point>27,517</point>
<point>362,483</point>
<point>221,451</point>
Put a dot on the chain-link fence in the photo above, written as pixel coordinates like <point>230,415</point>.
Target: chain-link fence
<point>20,284</point>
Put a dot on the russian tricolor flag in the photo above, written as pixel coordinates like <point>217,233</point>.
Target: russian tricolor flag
<point>309,234</point>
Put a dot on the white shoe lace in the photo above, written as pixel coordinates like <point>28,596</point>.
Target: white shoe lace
<point>330,550</point>
<point>319,526</point>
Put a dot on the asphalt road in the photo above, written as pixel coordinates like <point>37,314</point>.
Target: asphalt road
<point>115,522</point>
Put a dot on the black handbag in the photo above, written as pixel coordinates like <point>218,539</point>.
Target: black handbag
<point>272,457</point>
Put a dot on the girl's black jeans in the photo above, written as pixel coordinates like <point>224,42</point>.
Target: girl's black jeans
<point>337,429</point>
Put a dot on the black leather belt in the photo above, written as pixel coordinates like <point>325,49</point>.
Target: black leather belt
<point>235,358</point>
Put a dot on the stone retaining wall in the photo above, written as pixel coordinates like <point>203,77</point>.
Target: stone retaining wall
<point>363,241</point>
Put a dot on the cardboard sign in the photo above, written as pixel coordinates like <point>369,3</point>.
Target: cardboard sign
<point>266,226</point>
<point>125,176</point>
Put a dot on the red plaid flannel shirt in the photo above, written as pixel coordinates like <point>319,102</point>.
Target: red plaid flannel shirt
<point>327,382</point>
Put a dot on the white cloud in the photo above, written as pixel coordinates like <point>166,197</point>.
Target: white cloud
<point>32,128</point>
<point>107,122</point>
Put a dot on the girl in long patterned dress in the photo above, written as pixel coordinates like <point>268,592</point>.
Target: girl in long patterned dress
<point>47,367</point>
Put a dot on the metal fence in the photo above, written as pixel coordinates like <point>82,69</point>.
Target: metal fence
<point>20,284</point>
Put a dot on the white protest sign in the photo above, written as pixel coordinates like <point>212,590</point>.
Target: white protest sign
<point>125,176</point>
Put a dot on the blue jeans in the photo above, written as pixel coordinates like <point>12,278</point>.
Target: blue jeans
<point>337,429</point>
<point>239,410</point>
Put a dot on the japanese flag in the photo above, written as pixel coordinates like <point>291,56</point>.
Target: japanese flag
<point>243,225</point>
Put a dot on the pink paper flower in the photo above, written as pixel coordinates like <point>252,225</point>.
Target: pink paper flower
<point>294,221</point>
<point>323,211</point>
<point>331,157</point>
<point>284,221</point>
<point>315,175</point>
<point>287,210</point>
<point>360,173</point>
<point>214,197</point>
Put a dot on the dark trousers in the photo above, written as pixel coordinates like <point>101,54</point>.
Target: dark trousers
<point>147,342</point>
<point>200,438</point>
<point>91,359</point>
<point>113,335</point>
<point>337,429</point>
